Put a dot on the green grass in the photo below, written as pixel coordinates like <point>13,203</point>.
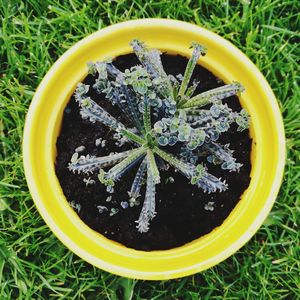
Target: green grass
<point>33,263</point>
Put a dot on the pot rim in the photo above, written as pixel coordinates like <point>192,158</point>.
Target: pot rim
<point>197,255</point>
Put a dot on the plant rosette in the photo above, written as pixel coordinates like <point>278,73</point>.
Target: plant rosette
<point>43,125</point>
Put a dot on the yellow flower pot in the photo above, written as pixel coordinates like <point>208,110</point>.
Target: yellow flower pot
<point>43,125</point>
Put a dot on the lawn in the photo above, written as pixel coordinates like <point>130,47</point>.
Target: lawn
<point>33,263</point>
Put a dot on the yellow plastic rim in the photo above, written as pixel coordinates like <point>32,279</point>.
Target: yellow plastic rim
<point>43,124</point>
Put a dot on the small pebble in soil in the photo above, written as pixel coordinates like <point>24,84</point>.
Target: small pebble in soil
<point>113,211</point>
<point>170,179</point>
<point>80,149</point>
<point>110,189</point>
<point>98,142</point>
<point>89,181</point>
<point>120,140</point>
<point>124,204</point>
<point>75,206</point>
<point>68,110</point>
<point>102,209</point>
<point>133,202</point>
<point>108,199</point>
<point>74,157</point>
<point>209,206</point>
<point>167,167</point>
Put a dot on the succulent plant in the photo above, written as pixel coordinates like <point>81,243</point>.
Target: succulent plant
<point>163,111</point>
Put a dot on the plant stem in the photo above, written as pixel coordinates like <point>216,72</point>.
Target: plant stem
<point>133,137</point>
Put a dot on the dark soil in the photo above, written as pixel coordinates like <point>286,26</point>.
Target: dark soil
<point>181,216</point>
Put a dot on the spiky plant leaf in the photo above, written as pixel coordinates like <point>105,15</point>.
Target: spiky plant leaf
<point>146,114</point>
<point>132,136</point>
<point>190,91</point>
<point>148,209</point>
<point>118,170</point>
<point>198,50</point>
<point>150,59</point>
<point>221,154</point>
<point>185,168</point>
<point>213,95</point>
<point>210,183</point>
<point>88,164</point>
<point>117,91</point>
<point>92,111</point>
<point>198,174</point>
<point>153,166</point>
<point>138,180</point>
